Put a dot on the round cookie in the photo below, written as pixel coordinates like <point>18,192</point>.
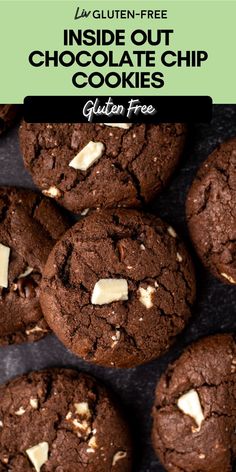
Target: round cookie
<point>29,226</point>
<point>8,114</point>
<point>194,415</point>
<point>118,287</point>
<point>122,167</point>
<point>211,212</point>
<point>61,421</point>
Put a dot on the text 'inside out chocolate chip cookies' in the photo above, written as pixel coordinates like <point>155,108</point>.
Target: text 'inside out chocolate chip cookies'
<point>211,212</point>
<point>58,421</point>
<point>118,287</point>
<point>29,226</point>
<point>101,165</point>
<point>194,414</point>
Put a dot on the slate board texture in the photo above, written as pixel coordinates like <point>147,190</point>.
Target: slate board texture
<point>214,310</point>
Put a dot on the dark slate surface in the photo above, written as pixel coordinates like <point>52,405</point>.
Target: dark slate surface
<point>214,310</point>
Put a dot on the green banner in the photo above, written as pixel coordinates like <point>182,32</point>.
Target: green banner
<point>118,48</point>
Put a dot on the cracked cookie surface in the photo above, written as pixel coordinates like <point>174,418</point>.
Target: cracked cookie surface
<point>8,114</point>
<point>29,226</point>
<point>135,165</point>
<point>74,417</point>
<point>118,244</point>
<point>211,212</point>
<point>207,368</point>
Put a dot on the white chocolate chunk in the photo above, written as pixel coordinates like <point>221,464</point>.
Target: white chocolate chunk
<point>1,424</point>
<point>115,338</point>
<point>118,456</point>
<point>179,257</point>
<point>52,192</point>
<point>89,154</point>
<point>4,263</point>
<point>146,296</point>
<point>119,125</point>
<point>85,212</point>
<point>20,412</point>
<point>80,424</point>
<point>38,455</point>
<point>92,442</point>
<point>34,403</point>
<point>28,271</point>
<point>82,427</point>
<point>172,232</point>
<point>233,369</point>
<point>190,405</point>
<point>109,290</point>
<point>83,409</point>
<point>69,415</point>
<point>35,330</point>
<point>228,277</point>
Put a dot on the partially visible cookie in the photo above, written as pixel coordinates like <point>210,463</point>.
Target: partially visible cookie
<point>93,165</point>
<point>8,114</point>
<point>118,288</point>
<point>29,226</point>
<point>194,415</point>
<point>61,421</point>
<point>211,212</point>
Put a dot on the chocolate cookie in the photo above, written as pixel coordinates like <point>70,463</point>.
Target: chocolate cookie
<point>29,226</point>
<point>8,114</point>
<point>194,415</point>
<point>118,288</point>
<point>61,421</point>
<point>92,165</point>
<point>211,212</point>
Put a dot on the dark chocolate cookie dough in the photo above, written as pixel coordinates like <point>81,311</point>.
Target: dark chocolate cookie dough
<point>211,212</point>
<point>127,167</point>
<point>61,421</point>
<point>8,114</point>
<point>118,288</point>
<point>194,415</point>
<point>29,226</point>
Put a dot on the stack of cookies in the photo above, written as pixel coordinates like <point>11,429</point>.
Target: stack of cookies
<point>116,287</point>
